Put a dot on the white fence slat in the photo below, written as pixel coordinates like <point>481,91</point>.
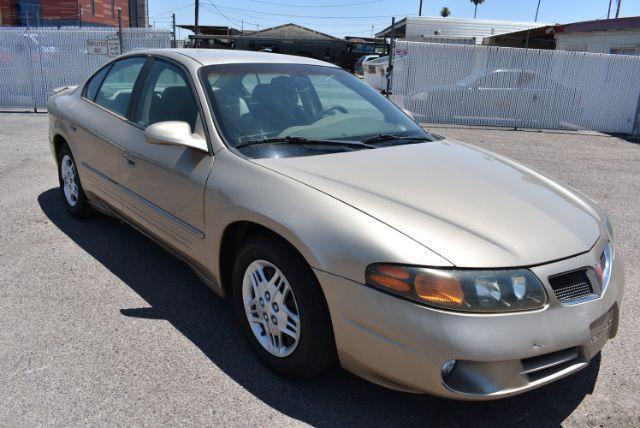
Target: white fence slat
<point>488,85</point>
<point>33,61</point>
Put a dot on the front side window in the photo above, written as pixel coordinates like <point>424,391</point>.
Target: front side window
<point>258,101</point>
<point>166,97</point>
<point>117,87</point>
<point>500,80</point>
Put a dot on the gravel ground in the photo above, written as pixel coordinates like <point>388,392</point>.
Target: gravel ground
<point>99,326</point>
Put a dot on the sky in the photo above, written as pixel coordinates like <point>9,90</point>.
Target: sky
<point>356,17</point>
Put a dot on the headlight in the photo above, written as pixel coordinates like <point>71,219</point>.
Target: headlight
<point>461,290</point>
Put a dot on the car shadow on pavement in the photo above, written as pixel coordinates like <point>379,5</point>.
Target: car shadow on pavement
<point>174,293</point>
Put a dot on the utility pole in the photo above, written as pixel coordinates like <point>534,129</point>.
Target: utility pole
<point>526,43</point>
<point>196,30</point>
<point>618,9</point>
<point>80,16</point>
<point>173,30</point>
<point>420,9</point>
<point>372,31</point>
<point>242,27</point>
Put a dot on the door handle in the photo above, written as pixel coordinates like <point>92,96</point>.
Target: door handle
<point>72,127</point>
<point>129,160</point>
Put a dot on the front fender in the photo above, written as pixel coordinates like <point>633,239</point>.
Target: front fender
<point>331,235</point>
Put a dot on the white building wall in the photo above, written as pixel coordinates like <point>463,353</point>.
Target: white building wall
<point>599,41</point>
<point>425,27</point>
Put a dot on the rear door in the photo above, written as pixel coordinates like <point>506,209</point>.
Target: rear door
<point>162,186</point>
<point>96,125</point>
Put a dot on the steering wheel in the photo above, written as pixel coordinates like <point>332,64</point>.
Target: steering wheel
<point>331,110</point>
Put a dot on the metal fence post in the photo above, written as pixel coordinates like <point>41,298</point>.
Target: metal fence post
<point>173,31</point>
<point>120,30</point>
<point>636,122</point>
<point>32,72</point>
<point>392,43</point>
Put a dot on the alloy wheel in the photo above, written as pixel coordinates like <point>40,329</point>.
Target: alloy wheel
<point>68,176</point>
<point>271,308</point>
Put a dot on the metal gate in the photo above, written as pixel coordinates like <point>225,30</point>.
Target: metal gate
<point>33,61</point>
<point>529,88</point>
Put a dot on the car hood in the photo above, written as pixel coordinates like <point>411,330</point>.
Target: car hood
<point>472,207</point>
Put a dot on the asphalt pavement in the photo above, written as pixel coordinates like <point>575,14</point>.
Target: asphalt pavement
<point>100,326</point>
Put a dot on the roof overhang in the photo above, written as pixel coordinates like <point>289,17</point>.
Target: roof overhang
<point>630,23</point>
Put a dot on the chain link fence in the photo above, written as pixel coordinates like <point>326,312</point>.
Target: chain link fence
<point>33,61</point>
<point>527,88</point>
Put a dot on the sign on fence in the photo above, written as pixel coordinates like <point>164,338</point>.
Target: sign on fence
<point>113,46</point>
<point>36,60</point>
<point>96,47</point>
<point>528,88</point>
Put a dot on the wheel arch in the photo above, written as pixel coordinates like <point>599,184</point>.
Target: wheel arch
<point>58,142</point>
<point>233,236</point>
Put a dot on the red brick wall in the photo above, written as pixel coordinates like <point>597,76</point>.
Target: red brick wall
<point>68,10</point>
<point>7,13</point>
<point>102,14</point>
<point>58,9</point>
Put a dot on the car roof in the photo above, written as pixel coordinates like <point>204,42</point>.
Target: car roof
<point>231,56</point>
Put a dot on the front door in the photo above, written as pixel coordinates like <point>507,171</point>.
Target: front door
<point>162,186</point>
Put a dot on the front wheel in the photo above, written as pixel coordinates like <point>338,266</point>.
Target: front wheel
<point>281,309</point>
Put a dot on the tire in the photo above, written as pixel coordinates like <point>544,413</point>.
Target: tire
<point>314,352</point>
<point>73,194</point>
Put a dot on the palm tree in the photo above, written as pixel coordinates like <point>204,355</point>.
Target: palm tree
<point>476,2</point>
<point>444,12</point>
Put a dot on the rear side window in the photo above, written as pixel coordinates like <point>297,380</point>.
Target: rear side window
<point>94,84</point>
<point>117,87</point>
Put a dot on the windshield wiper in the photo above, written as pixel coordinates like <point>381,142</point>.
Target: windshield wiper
<point>390,137</point>
<point>303,140</point>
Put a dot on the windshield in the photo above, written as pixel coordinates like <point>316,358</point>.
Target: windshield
<point>254,102</point>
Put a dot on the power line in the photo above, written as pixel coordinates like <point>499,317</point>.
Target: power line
<point>309,16</point>
<point>169,12</point>
<point>319,5</point>
<point>230,20</point>
<point>236,18</point>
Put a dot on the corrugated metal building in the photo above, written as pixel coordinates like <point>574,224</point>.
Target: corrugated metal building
<point>448,30</point>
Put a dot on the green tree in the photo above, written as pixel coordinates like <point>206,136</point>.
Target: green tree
<point>444,12</point>
<point>476,2</point>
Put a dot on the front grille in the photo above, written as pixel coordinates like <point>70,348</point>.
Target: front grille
<point>571,285</point>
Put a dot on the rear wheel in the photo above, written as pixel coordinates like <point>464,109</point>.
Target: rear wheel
<point>74,197</point>
<point>281,309</point>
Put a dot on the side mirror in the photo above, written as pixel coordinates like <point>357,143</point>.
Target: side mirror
<point>174,133</point>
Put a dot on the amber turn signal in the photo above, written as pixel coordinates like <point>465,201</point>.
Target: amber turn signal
<point>439,289</point>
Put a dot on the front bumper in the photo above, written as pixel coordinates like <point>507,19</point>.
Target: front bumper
<point>402,345</point>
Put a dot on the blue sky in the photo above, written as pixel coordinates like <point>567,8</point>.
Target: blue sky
<point>355,17</point>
